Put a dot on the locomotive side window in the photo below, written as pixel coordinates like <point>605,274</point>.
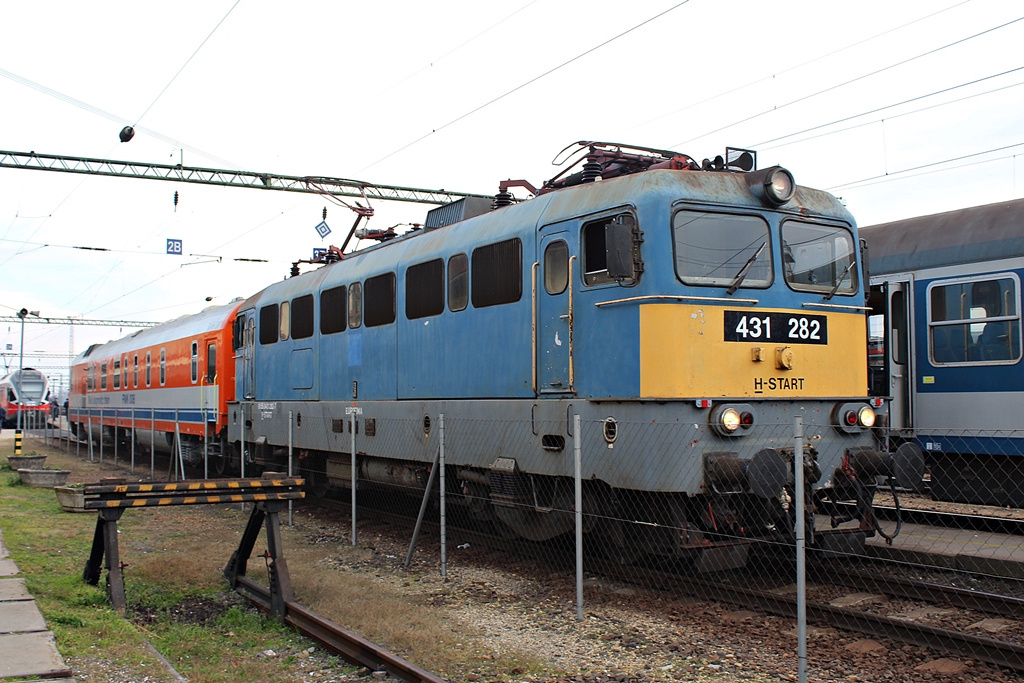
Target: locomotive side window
<point>497,273</point>
<point>424,289</point>
<point>722,250</point>
<point>819,258</point>
<point>609,242</point>
<point>458,282</point>
<point>194,362</point>
<point>117,373</point>
<point>380,300</point>
<point>149,367</point>
<point>163,367</point>
<point>268,324</point>
<point>302,317</point>
<point>355,305</point>
<point>286,317</point>
<point>974,321</point>
<point>333,310</point>
<point>556,267</point>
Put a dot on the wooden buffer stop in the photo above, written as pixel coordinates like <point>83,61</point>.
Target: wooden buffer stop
<point>270,495</point>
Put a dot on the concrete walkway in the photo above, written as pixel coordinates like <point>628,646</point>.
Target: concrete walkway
<point>27,648</point>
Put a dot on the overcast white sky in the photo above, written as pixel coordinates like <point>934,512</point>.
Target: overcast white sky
<point>902,108</point>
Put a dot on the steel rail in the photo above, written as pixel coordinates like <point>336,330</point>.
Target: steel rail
<point>925,591</point>
<point>351,646</point>
<point>1009,655</point>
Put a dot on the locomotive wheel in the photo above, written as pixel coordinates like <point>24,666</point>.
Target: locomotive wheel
<point>315,474</point>
<point>220,465</point>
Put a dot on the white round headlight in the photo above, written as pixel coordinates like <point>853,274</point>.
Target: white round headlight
<point>779,185</point>
<point>730,420</point>
<point>866,416</point>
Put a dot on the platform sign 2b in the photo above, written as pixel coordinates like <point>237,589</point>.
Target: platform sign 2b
<point>174,247</point>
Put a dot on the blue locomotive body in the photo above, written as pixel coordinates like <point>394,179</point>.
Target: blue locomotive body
<point>685,315</point>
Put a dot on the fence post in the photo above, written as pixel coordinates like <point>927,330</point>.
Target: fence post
<point>133,439</point>
<point>801,567</point>
<point>152,444</point>
<point>352,469</point>
<point>443,520</point>
<point>577,446</point>
<point>290,455</point>
<point>102,415</point>
<point>117,416</point>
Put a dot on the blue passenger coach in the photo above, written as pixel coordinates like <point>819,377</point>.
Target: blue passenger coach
<point>949,286</point>
<point>686,310</point>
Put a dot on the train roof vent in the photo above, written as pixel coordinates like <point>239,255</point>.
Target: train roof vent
<point>89,350</point>
<point>459,210</point>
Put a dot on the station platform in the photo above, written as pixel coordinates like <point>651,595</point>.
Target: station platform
<point>959,549</point>
<point>28,649</point>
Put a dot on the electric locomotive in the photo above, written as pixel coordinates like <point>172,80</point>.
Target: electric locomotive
<point>685,311</point>
<point>947,294</point>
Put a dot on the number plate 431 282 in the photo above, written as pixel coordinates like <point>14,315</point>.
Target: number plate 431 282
<point>784,328</point>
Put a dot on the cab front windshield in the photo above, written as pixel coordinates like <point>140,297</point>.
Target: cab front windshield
<point>819,258</point>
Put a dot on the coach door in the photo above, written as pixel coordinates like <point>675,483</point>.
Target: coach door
<point>890,361</point>
<point>553,284</point>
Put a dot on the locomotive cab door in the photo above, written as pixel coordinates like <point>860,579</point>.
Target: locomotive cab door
<point>248,368</point>
<point>553,286</point>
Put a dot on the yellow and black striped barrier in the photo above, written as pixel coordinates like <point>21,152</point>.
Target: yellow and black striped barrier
<point>102,496</point>
<point>17,442</point>
<point>272,493</point>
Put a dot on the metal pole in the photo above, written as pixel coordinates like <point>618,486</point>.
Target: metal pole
<point>21,368</point>
<point>577,444</point>
<point>424,501</point>
<point>206,440</point>
<point>117,415</point>
<point>177,438</point>
<point>152,444</point>
<point>801,567</point>
<point>290,456</point>
<point>88,435</point>
<point>444,527</point>
<point>133,440</point>
<point>352,468</point>
<point>102,411</point>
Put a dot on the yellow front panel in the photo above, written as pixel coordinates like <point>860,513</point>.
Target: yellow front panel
<point>684,353</point>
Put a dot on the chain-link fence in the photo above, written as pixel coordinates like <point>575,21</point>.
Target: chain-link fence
<point>671,507</point>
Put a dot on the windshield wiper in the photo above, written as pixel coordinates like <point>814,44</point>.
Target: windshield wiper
<point>842,276</point>
<point>742,275</point>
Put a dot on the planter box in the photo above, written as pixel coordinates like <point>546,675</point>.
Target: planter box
<point>44,478</point>
<point>70,499</point>
<point>26,462</point>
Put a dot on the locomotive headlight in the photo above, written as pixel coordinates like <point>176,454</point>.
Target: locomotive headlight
<point>866,416</point>
<point>730,420</point>
<point>853,418</point>
<point>727,420</point>
<point>773,185</point>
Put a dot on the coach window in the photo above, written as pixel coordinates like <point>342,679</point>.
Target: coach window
<point>117,373</point>
<point>497,276</point>
<point>135,371</point>
<point>211,363</point>
<point>268,324</point>
<point>600,247</point>
<point>380,300</point>
<point>103,377</point>
<point>424,289</point>
<point>163,367</point>
<point>974,321</point>
<point>556,267</point>
<point>194,364</point>
<point>819,258</point>
<point>333,310</point>
<point>149,367</point>
<point>355,305</point>
<point>302,317</point>
<point>458,282</point>
<point>722,250</point>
